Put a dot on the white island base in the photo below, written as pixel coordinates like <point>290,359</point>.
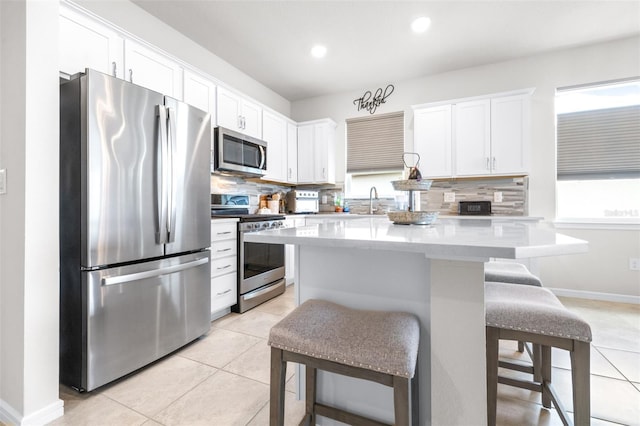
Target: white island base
<point>447,296</point>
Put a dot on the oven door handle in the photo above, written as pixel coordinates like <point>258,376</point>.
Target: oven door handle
<point>265,290</point>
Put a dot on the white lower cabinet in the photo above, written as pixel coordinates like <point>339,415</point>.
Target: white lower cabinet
<point>224,265</point>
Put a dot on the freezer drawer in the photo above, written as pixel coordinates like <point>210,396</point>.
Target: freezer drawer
<point>136,314</point>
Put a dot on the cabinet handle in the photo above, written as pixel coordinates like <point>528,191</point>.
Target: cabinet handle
<point>290,173</point>
<point>243,120</point>
<point>495,164</point>
<point>223,233</point>
<point>224,292</point>
<point>220,251</point>
<point>113,64</point>
<point>130,75</point>
<point>239,122</point>
<point>487,166</point>
<point>223,267</point>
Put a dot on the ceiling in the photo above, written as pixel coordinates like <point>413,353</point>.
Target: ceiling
<point>370,43</point>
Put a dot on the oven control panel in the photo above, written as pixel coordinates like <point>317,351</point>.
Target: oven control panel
<point>260,226</point>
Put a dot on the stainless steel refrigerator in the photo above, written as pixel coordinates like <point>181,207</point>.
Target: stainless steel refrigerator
<point>134,227</point>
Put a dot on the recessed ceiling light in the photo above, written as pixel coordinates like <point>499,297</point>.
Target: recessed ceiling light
<point>318,51</point>
<point>421,24</point>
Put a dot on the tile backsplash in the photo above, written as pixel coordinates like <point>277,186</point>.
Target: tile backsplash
<point>514,191</point>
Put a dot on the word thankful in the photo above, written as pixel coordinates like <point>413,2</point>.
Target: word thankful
<point>371,102</point>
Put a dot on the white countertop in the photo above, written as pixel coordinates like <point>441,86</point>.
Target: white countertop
<point>448,238</point>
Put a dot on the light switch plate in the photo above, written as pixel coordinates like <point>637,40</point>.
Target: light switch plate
<point>449,197</point>
<point>3,181</point>
<point>497,197</point>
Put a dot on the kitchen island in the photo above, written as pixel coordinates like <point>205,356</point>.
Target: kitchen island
<point>435,272</point>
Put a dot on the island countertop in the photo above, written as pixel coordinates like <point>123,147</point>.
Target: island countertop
<point>435,272</point>
<point>447,238</point>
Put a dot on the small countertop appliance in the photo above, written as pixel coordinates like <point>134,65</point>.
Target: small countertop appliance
<point>302,201</point>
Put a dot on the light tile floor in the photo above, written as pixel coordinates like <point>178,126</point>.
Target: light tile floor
<point>223,378</point>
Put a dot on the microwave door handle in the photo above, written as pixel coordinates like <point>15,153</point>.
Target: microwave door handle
<point>171,190</point>
<point>263,157</point>
<point>161,178</point>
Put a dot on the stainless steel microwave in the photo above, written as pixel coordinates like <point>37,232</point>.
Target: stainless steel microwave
<point>235,153</point>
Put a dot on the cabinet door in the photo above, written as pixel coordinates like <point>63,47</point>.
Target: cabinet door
<point>251,119</point>
<point>432,140</point>
<point>292,153</point>
<point>223,292</point>
<point>200,92</point>
<point>324,151</point>
<point>473,138</point>
<point>85,43</point>
<point>306,154</point>
<point>228,112</point>
<point>153,70</point>
<point>509,134</point>
<point>274,132</point>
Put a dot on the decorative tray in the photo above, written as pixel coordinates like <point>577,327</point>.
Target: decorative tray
<point>411,185</point>
<point>412,218</point>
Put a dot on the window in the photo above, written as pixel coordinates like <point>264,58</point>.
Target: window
<point>598,143</point>
<point>374,154</point>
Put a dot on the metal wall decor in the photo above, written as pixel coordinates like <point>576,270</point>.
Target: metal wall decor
<point>370,101</point>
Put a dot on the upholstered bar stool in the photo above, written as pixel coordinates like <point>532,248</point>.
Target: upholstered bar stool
<point>373,345</point>
<point>534,314</point>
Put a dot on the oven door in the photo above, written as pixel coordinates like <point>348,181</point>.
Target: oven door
<point>259,264</point>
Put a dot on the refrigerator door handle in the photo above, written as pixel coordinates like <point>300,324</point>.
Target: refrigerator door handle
<point>161,175</point>
<point>121,279</point>
<point>171,206</point>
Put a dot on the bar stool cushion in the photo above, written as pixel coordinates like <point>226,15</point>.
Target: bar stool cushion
<point>509,272</point>
<point>533,309</point>
<point>375,340</point>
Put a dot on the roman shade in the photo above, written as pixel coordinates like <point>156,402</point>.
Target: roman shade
<point>375,143</point>
<point>599,144</point>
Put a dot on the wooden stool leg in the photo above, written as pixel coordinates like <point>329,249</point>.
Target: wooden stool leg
<point>401,400</point>
<point>311,376</point>
<point>580,376</point>
<point>520,346</point>
<point>415,398</point>
<point>536,352</point>
<point>546,375</point>
<point>493,336</point>
<point>276,388</point>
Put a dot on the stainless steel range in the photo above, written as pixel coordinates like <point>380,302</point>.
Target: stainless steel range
<point>261,268</point>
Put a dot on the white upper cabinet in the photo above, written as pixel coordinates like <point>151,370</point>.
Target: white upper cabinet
<point>151,69</point>
<point>432,140</point>
<point>237,113</point>
<point>292,152</point>
<point>510,135</point>
<point>479,137</point>
<point>472,143</point>
<point>86,43</point>
<point>316,151</point>
<point>200,92</point>
<point>274,132</point>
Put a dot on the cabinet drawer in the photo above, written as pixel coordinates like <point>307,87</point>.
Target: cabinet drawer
<point>223,292</point>
<point>224,231</point>
<point>224,265</point>
<point>223,248</point>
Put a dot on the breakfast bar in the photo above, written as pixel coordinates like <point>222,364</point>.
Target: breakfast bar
<point>435,272</point>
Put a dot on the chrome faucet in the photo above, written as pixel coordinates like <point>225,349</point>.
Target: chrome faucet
<point>373,190</point>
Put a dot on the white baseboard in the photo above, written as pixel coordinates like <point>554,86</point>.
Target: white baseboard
<point>593,295</point>
<point>8,415</point>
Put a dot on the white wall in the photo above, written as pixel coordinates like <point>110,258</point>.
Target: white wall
<point>29,210</point>
<point>600,62</point>
<point>138,22</point>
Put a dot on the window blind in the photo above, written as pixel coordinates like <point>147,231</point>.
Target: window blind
<point>599,144</point>
<point>376,143</point>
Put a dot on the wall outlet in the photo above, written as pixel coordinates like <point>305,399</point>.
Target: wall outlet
<point>449,197</point>
<point>497,197</point>
<point>634,264</point>
<point>3,181</point>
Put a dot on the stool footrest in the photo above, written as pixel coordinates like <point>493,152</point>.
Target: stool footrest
<point>524,384</point>
<point>345,417</point>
